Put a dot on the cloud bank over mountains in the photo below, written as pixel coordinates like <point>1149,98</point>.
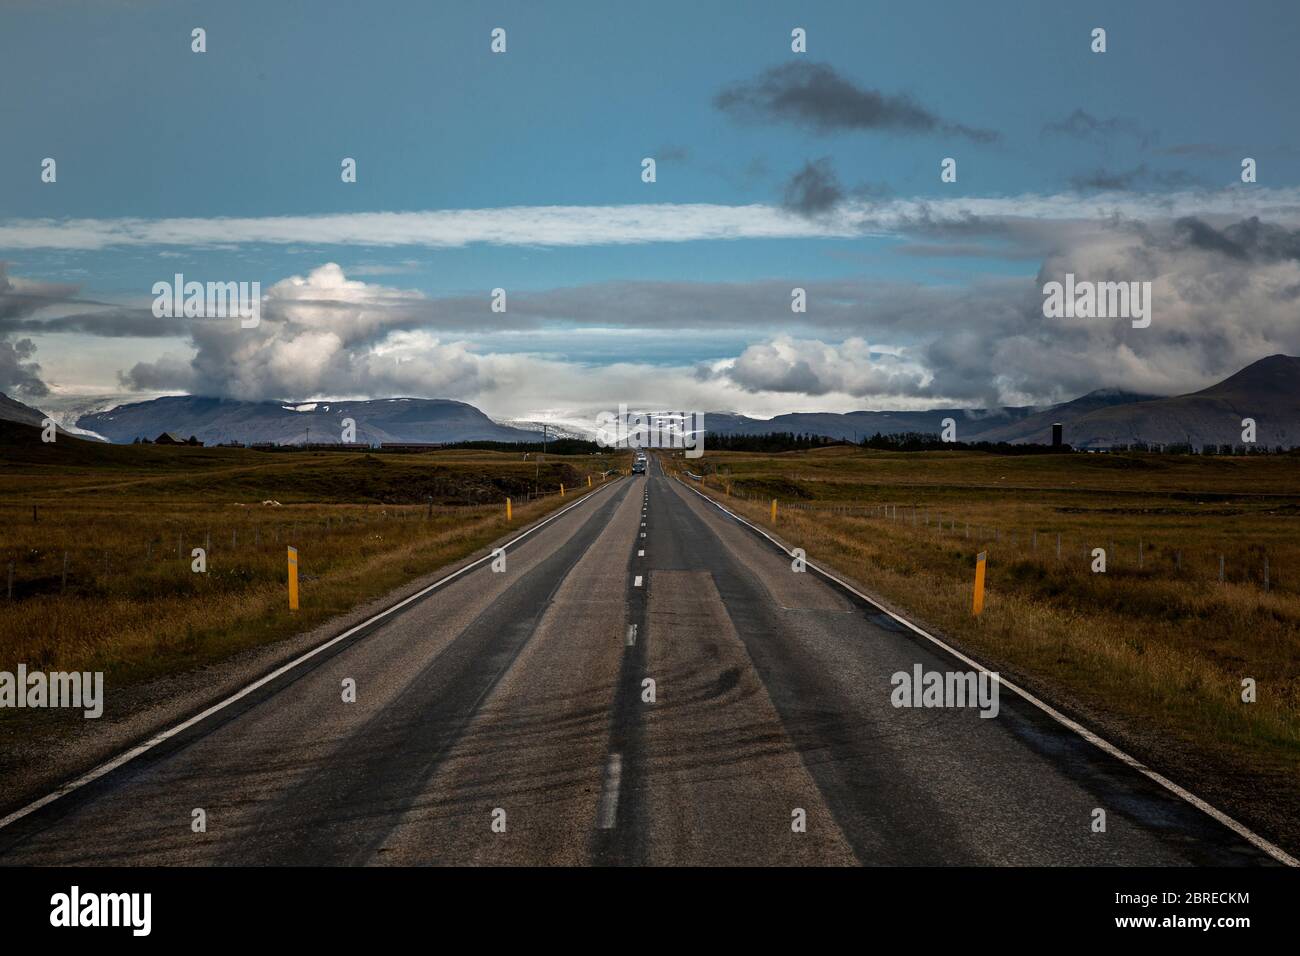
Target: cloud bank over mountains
<point>1225,292</point>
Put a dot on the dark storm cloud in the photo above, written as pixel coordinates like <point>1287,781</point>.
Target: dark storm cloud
<point>111,323</point>
<point>1247,240</point>
<point>813,189</point>
<point>815,96</point>
<point>23,298</point>
<point>19,371</point>
<point>20,302</point>
<point>1225,295</point>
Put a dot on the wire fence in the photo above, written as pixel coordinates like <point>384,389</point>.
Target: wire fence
<point>1149,555</point>
<point>60,554</point>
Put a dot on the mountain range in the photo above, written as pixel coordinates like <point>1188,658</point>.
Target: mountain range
<point>15,411</point>
<point>217,420</point>
<point>1267,391</point>
<point>851,426</point>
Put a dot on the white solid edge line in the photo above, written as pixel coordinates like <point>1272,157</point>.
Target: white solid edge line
<point>1276,852</point>
<point>91,776</point>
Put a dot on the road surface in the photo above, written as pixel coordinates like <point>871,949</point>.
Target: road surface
<point>505,719</point>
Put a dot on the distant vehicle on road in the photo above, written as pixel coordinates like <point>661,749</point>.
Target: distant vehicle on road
<point>638,467</point>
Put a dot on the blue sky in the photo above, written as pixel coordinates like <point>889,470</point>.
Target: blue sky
<point>255,128</point>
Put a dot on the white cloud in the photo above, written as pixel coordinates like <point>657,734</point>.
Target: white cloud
<point>812,367</point>
<point>1222,298</point>
<point>613,225</point>
<point>326,336</point>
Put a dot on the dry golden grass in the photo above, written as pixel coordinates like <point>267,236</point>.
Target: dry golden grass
<point>132,606</point>
<point>1164,646</point>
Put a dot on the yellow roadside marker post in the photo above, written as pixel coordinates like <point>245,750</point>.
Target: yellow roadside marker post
<point>293,579</point>
<point>978,606</point>
<point>561,489</point>
<point>773,511</point>
<point>509,512</point>
<point>589,481</point>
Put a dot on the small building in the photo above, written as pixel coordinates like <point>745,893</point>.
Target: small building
<point>168,438</point>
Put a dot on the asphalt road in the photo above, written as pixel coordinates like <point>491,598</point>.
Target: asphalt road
<point>504,719</point>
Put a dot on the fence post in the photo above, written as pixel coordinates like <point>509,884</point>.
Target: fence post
<point>293,579</point>
<point>1220,569</point>
<point>64,585</point>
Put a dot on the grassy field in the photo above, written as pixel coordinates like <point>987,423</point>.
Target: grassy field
<point>123,521</point>
<point>1154,650</point>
